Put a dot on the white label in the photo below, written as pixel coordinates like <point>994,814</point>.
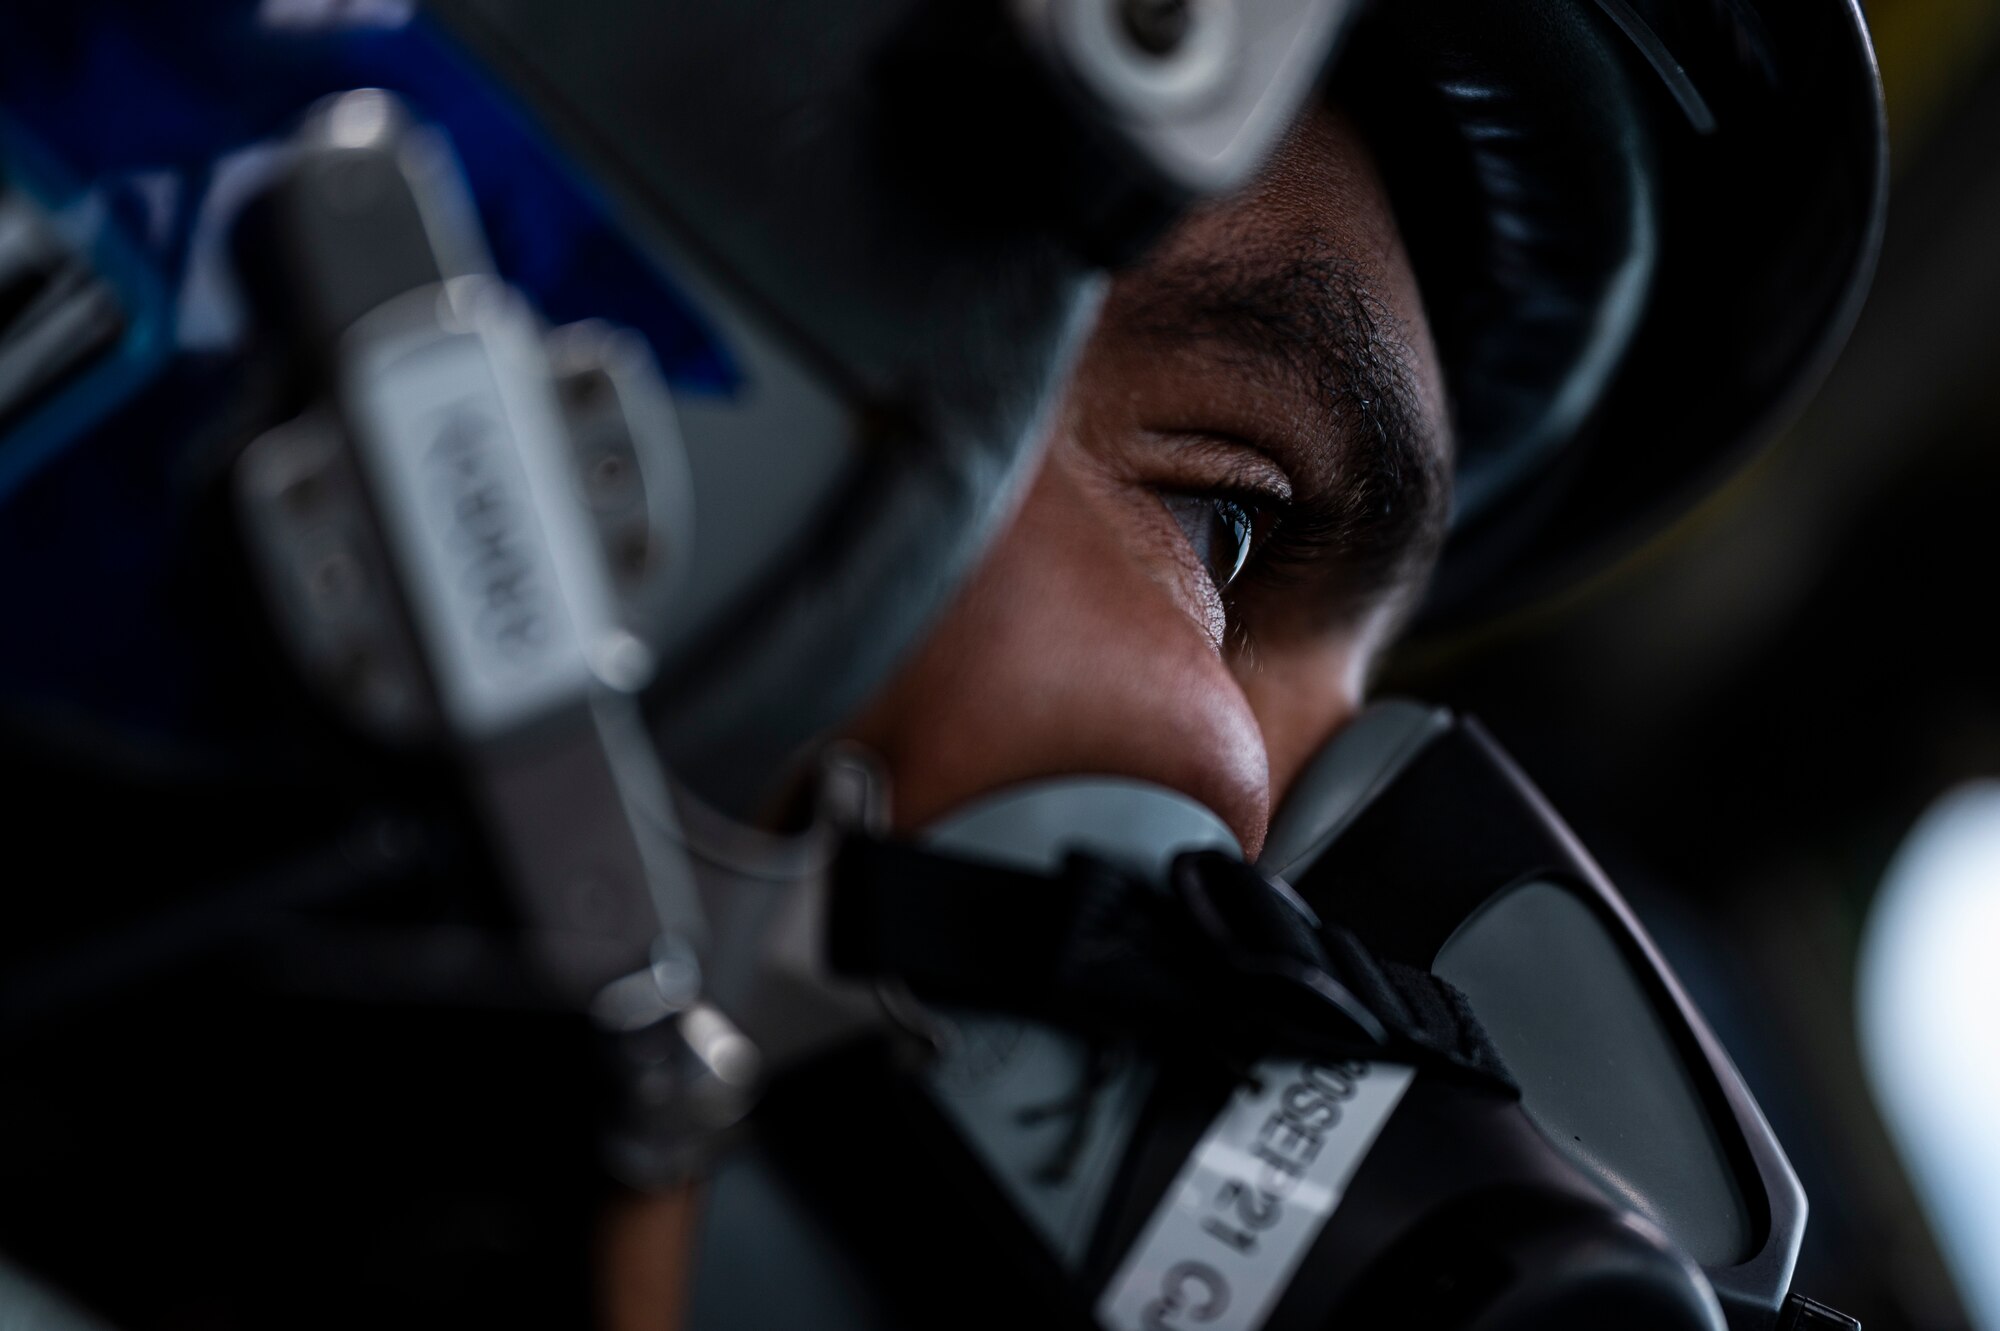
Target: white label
<point>1252,1198</point>
<point>461,437</point>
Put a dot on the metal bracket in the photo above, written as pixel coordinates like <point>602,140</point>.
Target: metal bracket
<point>1201,90</point>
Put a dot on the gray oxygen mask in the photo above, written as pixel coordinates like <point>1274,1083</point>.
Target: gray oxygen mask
<point>1518,1118</point>
<point>1006,1083</point>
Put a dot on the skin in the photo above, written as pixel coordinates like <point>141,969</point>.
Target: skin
<point>1094,638</point>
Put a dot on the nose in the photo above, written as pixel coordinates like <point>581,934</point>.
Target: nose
<point>1068,654</point>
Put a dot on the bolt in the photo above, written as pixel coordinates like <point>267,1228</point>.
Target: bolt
<point>359,119</point>
<point>1157,27</point>
<point>336,581</point>
<point>622,661</point>
<point>609,474</point>
<point>676,971</point>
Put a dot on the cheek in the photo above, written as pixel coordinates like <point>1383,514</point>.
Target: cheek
<point>1301,695</point>
<point>1070,653</point>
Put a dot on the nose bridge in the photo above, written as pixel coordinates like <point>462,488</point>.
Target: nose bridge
<point>1068,654</point>
<point>1172,712</point>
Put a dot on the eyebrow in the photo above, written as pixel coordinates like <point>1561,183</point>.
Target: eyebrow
<point>1376,495</point>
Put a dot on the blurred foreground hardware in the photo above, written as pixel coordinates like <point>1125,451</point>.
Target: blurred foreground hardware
<point>55,314</point>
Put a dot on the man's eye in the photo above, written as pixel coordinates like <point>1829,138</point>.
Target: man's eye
<point>1220,530</point>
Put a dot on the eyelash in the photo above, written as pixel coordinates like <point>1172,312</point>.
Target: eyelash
<point>1220,526</point>
<point>1286,533</point>
<point>1292,532</point>
<point>1302,530</point>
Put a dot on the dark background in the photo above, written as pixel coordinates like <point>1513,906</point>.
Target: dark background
<point>1744,719</point>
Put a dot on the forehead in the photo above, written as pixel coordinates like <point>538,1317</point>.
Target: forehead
<point>1320,199</point>
<point>1321,180</point>
<point>1286,319</point>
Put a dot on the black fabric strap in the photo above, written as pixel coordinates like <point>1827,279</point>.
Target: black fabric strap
<point>1229,959</point>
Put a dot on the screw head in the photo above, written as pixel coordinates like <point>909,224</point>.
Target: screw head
<point>1157,27</point>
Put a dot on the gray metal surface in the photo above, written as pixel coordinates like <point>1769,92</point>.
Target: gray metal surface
<point>1206,111</point>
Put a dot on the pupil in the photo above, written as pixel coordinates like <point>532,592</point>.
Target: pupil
<point>1219,531</point>
<point>1230,549</point>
